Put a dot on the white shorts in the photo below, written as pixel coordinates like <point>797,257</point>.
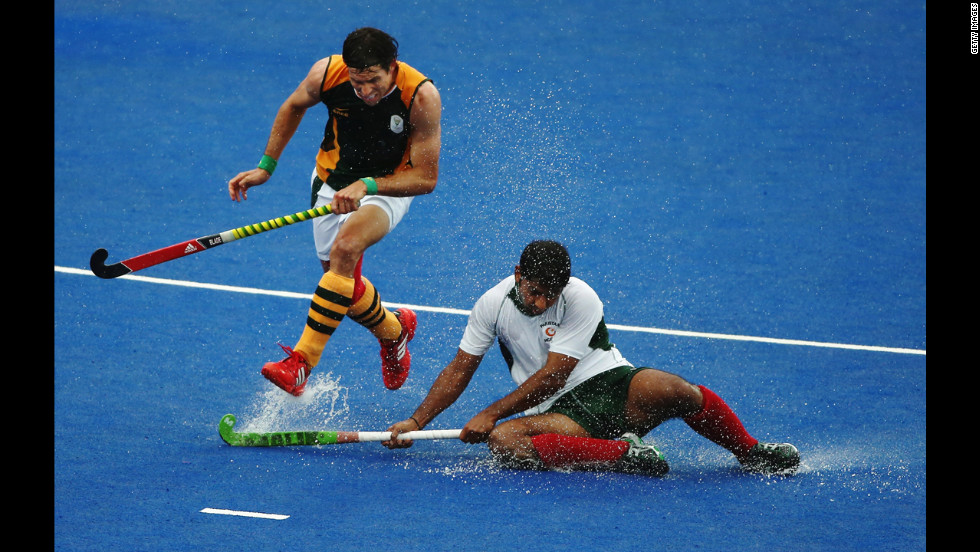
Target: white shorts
<point>325,228</point>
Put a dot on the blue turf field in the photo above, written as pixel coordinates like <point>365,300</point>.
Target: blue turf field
<point>729,168</point>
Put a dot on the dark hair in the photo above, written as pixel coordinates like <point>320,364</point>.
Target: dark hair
<point>367,47</point>
<point>547,263</point>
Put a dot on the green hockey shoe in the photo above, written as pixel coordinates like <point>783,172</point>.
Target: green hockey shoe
<point>772,458</point>
<point>641,458</point>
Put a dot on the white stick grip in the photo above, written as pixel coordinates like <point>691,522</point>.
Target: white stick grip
<point>420,435</point>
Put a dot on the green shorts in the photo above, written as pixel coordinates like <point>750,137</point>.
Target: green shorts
<point>599,403</point>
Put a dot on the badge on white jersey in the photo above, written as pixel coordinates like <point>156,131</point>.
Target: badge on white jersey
<point>549,329</point>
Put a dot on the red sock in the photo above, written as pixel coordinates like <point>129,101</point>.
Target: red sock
<point>563,451</point>
<point>358,284</point>
<point>718,422</point>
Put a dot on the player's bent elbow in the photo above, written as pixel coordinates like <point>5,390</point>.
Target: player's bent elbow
<point>427,186</point>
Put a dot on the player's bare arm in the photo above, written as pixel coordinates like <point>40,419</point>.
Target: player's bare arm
<point>449,385</point>
<point>544,383</point>
<point>284,126</point>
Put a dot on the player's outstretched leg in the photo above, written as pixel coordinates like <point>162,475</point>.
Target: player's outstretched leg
<point>392,329</point>
<point>717,422</point>
<point>329,305</point>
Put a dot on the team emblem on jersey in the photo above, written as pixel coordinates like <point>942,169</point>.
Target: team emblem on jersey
<point>549,328</point>
<point>397,124</point>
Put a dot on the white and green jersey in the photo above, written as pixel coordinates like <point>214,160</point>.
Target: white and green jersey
<point>572,326</point>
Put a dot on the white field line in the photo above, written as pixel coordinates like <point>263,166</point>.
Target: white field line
<point>444,310</point>
<point>243,514</point>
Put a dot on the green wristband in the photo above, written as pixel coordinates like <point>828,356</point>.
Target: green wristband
<point>372,186</point>
<point>268,164</point>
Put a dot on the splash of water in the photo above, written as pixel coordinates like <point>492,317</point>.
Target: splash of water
<point>323,406</point>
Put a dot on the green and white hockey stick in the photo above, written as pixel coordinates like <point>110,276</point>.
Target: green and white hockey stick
<point>292,438</point>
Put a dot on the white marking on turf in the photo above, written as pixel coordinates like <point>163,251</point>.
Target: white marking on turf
<point>243,514</point>
<point>444,310</point>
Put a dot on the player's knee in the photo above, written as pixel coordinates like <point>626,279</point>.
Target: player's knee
<point>346,249</point>
<point>511,447</point>
<point>502,439</point>
<point>687,398</point>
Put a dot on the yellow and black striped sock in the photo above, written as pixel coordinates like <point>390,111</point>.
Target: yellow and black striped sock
<point>330,303</point>
<point>370,313</point>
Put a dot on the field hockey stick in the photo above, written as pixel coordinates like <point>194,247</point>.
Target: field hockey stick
<point>182,249</point>
<point>292,438</point>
